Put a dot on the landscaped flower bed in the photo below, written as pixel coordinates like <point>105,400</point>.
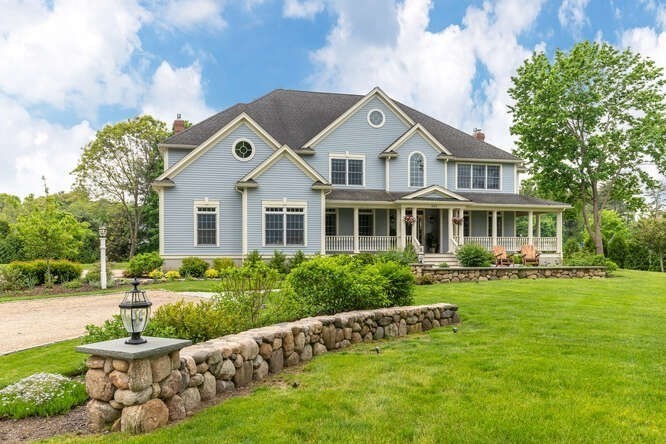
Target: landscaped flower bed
<point>41,394</point>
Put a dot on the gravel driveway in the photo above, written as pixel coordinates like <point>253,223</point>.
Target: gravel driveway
<point>28,324</point>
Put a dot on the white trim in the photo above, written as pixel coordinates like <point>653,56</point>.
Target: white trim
<point>424,133</point>
<point>206,203</point>
<point>387,170</point>
<point>383,118</point>
<point>409,170</point>
<point>322,223</point>
<point>284,203</point>
<point>236,156</point>
<point>483,160</point>
<point>346,156</point>
<point>165,160</point>
<point>431,188</point>
<point>347,114</point>
<point>471,176</point>
<point>242,118</point>
<point>244,221</point>
<point>446,173</point>
<point>160,215</point>
<point>296,160</point>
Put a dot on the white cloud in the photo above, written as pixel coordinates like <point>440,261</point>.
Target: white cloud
<point>648,42</point>
<point>302,8</point>
<point>572,14</point>
<point>188,14</point>
<point>32,148</point>
<point>432,71</point>
<point>174,91</point>
<point>70,53</point>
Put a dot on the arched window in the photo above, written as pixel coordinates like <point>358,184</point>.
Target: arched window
<point>416,170</point>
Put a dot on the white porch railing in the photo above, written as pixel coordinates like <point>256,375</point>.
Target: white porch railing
<point>345,244</point>
<point>544,244</point>
<point>377,243</point>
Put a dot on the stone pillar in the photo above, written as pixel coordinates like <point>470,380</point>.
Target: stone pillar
<point>356,248</point>
<point>530,227</point>
<point>134,388</point>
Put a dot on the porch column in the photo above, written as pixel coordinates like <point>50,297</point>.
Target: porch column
<point>530,227</point>
<point>415,225</point>
<point>356,249</point>
<point>449,213</point>
<point>558,231</point>
<point>461,227</point>
<point>441,230</point>
<point>494,228</point>
<point>538,225</point>
<point>400,228</point>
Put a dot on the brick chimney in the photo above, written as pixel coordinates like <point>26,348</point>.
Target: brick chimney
<point>178,125</point>
<point>478,133</point>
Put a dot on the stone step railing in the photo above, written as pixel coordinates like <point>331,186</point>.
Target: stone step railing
<point>137,389</point>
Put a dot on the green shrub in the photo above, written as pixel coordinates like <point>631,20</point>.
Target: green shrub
<point>11,279</point>
<point>517,259</point>
<point>144,263</point>
<point>244,294</point>
<point>278,262</point>
<point>399,282</point>
<point>193,267</point>
<point>113,329</point>
<point>34,272</point>
<point>41,394</point>
<point>617,249</point>
<point>473,255</point>
<point>401,257</point>
<point>211,273</point>
<point>72,285</point>
<point>156,275</point>
<point>363,259</point>
<point>196,321</point>
<point>327,285</point>
<point>172,275</point>
<point>425,279</point>
<point>571,247</point>
<point>253,259</point>
<point>410,254</point>
<point>297,260</point>
<point>443,265</point>
<point>583,259</point>
<point>93,276</point>
<point>222,263</point>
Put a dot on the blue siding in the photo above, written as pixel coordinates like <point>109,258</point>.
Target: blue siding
<point>175,155</point>
<point>273,186</point>
<point>213,175</point>
<point>380,223</point>
<point>358,137</point>
<point>451,175</point>
<point>345,221</point>
<point>479,221</point>
<point>509,220</point>
<point>399,173</point>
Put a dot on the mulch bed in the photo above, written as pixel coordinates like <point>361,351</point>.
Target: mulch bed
<point>29,429</point>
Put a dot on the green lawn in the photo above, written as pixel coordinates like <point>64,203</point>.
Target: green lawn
<point>533,361</point>
<point>55,358</point>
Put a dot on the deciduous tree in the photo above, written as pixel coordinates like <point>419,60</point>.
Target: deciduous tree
<point>589,118</point>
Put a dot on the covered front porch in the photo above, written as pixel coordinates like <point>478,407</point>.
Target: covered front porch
<point>439,230</point>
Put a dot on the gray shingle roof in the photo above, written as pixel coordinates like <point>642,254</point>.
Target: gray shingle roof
<point>478,198</point>
<point>294,117</point>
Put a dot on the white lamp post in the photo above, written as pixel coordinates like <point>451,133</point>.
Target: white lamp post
<point>102,252</point>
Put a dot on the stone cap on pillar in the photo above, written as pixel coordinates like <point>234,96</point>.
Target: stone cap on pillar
<point>117,348</point>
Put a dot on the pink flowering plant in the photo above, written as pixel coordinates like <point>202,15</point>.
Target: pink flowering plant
<point>409,219</point>
<point>41,394</point>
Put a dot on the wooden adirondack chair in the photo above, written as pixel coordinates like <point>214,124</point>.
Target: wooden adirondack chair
<point>530,255</point>
<point>500,256</point>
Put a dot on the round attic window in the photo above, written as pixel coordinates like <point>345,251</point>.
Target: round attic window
<point>243,150</point>
<point>376,118</point>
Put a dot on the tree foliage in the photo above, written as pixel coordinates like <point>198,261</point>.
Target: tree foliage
<point>590,118</point>
<point>50,233</point>
<point>120,165</point>
<point>651,232</point>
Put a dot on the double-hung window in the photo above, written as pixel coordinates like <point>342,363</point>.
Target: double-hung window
<point>478,176</point>
<point>331,222</point>
<point>365,223</point>
<point>284,225</point>
<point>206,217</point>
<point>490,224</point>
<point>347,170</point>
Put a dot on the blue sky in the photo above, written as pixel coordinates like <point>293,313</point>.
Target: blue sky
<point>70,67</point>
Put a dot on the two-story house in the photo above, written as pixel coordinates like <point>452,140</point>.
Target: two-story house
<point>329,173</point>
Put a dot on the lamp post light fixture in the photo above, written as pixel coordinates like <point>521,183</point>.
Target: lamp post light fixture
<point>134,312</point>
<point>102,253</point>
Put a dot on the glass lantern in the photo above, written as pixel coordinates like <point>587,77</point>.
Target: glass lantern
<point>134,312</point>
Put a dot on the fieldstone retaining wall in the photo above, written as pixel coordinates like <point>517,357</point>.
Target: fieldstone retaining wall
<point>471,274</point>
<point>141,395</point>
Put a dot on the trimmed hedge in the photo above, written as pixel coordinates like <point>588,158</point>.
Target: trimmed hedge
<point>193,267</point>
<point>34,272</point>
<point>144,263</point>
<point>473,255</point>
